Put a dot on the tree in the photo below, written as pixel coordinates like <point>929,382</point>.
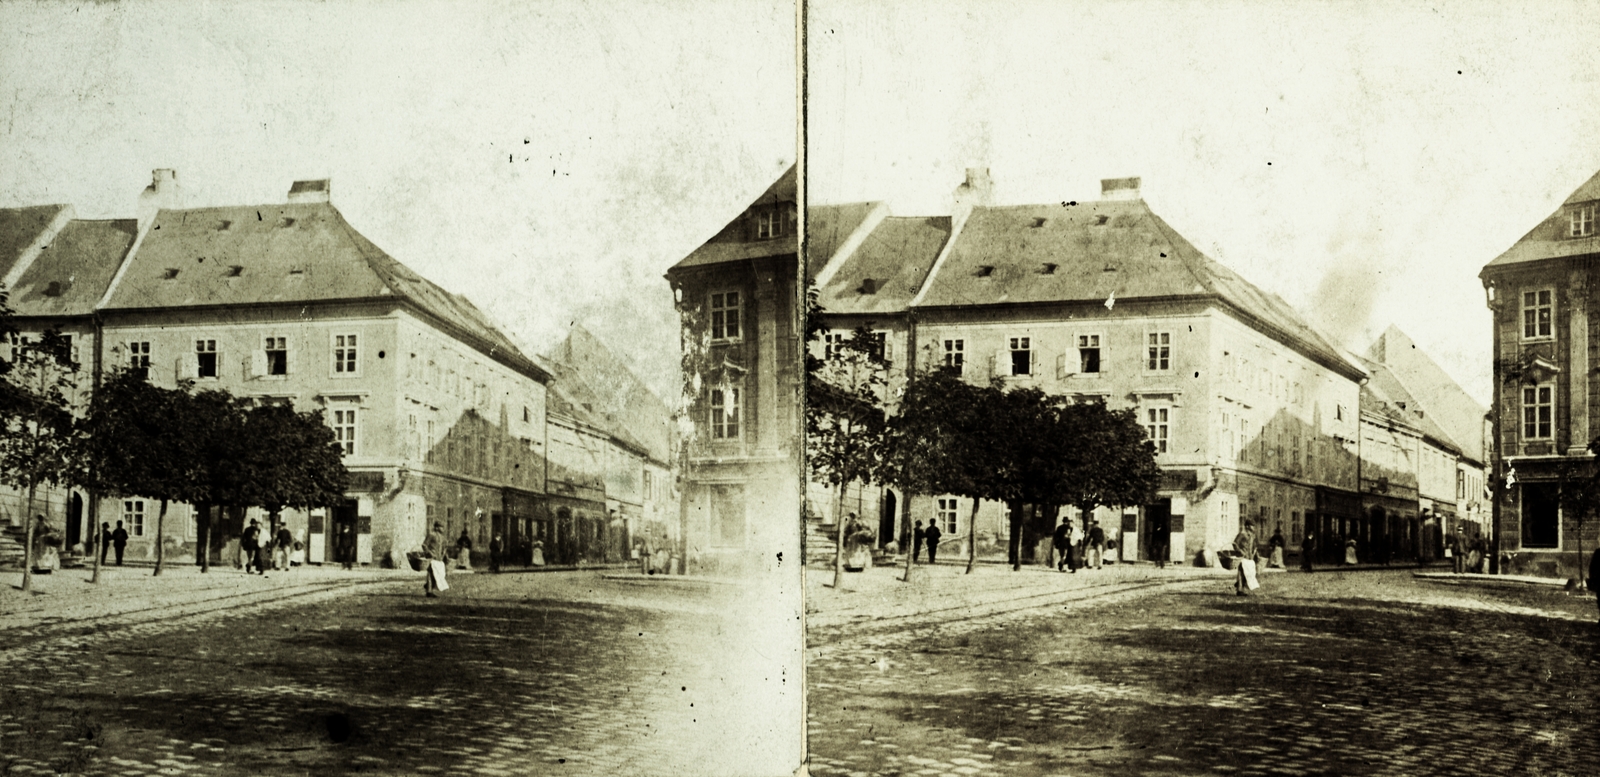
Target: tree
<point>845,418</point>
<point>1579,495</point>
<point>37,423</point>
<point>220,472</point>
<point>1112,462</point>
<point>294,460</point>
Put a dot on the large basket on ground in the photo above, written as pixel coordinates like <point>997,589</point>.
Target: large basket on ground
<point>416,561</point>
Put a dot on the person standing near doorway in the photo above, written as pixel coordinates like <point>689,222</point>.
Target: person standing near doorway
<point>932,536</point>
<point>344,546</point>
<point>119,541</point>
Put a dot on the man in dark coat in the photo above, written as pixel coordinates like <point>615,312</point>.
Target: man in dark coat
<point>105,541</point>
<point>497,546</point>
<point>119,541</point>
<point>932,535</point>
<point>1061,540</point>
<point>918,536</point>
<point>1097,544</point>
<point>1308,548</point>
<point>344,546</point>
<point>250,546</point>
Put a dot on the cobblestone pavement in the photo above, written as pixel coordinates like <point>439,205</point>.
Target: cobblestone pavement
<point>1363,673</point>
<point>504,674</point>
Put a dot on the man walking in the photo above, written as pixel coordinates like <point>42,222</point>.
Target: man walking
<point>917,537</point>
<point>933,534</point>
<point>1060,539</point>
<point>1244,554</point>
<point>1097,544</point>
<point>250,545</point>
<point>119,541</point>
<point>281,545</point>
<point>1456,548</point>
<point>433,552</point>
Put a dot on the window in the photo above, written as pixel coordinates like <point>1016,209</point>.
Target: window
<point>725,413</point>
<point>428,454</point>
<point>1537,407</point>
<point>139,358</point>
<point>771,222</point>
<point>277,349</point>
<point>955,354</point>
<point>725,316</point>
<point>946,516</point>
<point>832,344</point>
<point>1227,436</point>
<point>1160,352</point>
<point>527,414</point>
<point>344,430</point>
<point>1461,484</point>
<point>1580,221</point>
<point>1021,356</point>
<point>344,354</point>
<point>205,353</point>
<point>1155,426</point>
<point>133,517</point>
<point>1536,313</point>
<point>1541,526</point>
<point>1089,353</point>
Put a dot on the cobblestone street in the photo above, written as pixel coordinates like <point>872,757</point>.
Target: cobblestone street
<point>1338,673</point>
<point>564,673</point>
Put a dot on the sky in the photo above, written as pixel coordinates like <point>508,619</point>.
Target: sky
<point>548,160</point>
<point>1363,160</point>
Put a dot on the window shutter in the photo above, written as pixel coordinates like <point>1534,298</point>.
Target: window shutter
<point>289,352</point>
<point>1033,361</point>
<point>1063,367</point>
<point>888,350</point>
<point>258,363</point>
<point>188,367</point>
<point>1001,366</point>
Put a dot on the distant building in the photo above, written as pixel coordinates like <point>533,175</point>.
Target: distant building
<point>739,299</point>
<point>1540,291</point>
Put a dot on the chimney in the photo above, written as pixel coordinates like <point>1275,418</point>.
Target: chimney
<point>310,191</point>
<point>976,191</point>
<point>1119,188</point>
<point>162,193</point>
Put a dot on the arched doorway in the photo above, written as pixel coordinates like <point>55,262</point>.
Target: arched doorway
<point>886,518</point>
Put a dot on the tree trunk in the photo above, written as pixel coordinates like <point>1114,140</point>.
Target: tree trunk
<point>204,531</point>
<point>908,544</point>
<point>972,537</point>
<point>161,538</point>
<point>94,529</point>
<point>1014,549</point>
<point>27,551</point>
<point>838,542</point>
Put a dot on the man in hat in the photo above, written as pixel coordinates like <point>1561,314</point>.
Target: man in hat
<point>433,552</point>
<point>249,545</point>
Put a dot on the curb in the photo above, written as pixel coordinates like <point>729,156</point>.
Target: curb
<point>682,580</point>
<point>1495,580</point>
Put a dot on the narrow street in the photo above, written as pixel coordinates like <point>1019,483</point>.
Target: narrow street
<point>1335,673</point>
<point>556,673</point>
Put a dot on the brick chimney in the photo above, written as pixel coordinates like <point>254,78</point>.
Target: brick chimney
<point>975,192</point>
<point>310,191</point>
<point>1119,188</point>
<point>162,193</point>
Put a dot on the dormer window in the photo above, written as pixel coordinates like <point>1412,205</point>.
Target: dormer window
<point>869,286</point>
<point>985,271</point>
<point>170,273</point>
<point>771,223</point>
<point>235,271</point>
<point>1047,269</point>
<point>1580,221</point>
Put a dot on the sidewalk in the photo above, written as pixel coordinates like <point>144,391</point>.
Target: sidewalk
<point>67,595</point>
<point>1473,578</point>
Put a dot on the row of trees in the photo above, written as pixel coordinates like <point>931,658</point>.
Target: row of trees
<point>938,434</point>
<point>128,438</point>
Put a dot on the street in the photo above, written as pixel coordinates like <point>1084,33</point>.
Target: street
<point>555,673</point>
<point>1334,673</point>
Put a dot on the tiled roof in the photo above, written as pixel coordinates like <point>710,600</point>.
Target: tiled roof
<point>1435,392</point>
<point>828,227</point>
<point>1549,239</point>
<point>71,275</point>
<point>1086,252</point>
<point>1406,406</point>
<point>886,271</point>
<point>20,227</point>
<point>589,375</point>
<point>298,252</point>
<point>734,243</point>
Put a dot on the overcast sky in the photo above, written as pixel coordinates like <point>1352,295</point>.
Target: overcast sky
<point>549,160</point>
<point>1363,160</point>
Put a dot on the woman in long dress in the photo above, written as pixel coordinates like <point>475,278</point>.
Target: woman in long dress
<point>1350,551</point>
<point>538,554</point>
<point>1276,561</point>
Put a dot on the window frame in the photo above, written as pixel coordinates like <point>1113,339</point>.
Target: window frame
<point>1090,341</point>
<point>139,359</point>
<point>267,341</point>
<point>340,423</point>
<point>718,413</point>
<point>1158,351</point>
<point>720,313</point>
<point>948,513</point>
<point>1546,403</point>
<point>1544,299</point>
<point>1012,347</point>
<point>201,346</point>
<point>1580,220</point>
<point>346,354</point>
<point>133,514</point>
<point>955,354</point>
<point>1151,424</point>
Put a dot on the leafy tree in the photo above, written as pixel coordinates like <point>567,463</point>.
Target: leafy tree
<point>294,460</point>
<point>37,423</point>
<point>220,472</point>
<point>1111,461</point>
<point>845,418</point>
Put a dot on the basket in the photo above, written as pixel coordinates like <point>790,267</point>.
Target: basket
<point>415,560</point>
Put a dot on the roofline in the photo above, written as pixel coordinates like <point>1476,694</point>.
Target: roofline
<point>711,266</point>
<point>957,226</point>
<point>530,369</point>
<point>66,215</point>
<point>876,213</point>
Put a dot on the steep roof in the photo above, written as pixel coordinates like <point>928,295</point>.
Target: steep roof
<point>612,397</point>
<point>734,241</point>
<point>828,227</point>
<point>886,271</point>
<point>71,275</point>
<point>20,227</point>
<point>288,253</point>
<point>1434,391</point>
<point>1086,252</point>
<point>1549,239</point>
<point>1406,406</point>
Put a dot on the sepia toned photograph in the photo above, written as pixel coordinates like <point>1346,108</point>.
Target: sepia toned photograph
<point>1201,388</point>
<point>400,388</point>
